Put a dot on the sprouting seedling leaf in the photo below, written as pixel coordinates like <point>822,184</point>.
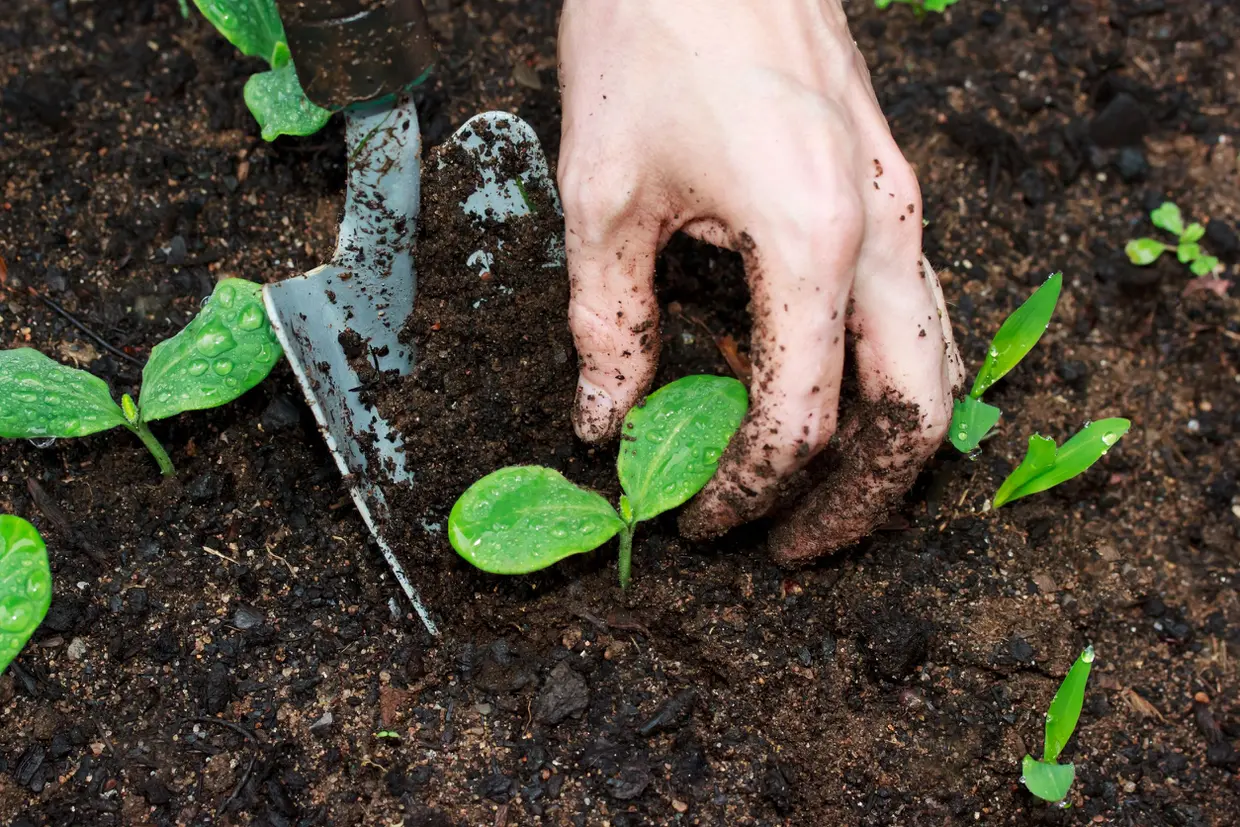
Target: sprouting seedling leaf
<point>253,26</point>
<point>1168,217</point>
<point>1049,782</point>
<point>42,398</point>
<point>1203,266</point>
<point>1193,232</point>
<point>228,348</point>
<point>1144,251</point>
<point>972,420</point>
<point>25,585</point>
<point>525,518</point>
<point>224,351</point>
<point>278,103</point>
<point>1045,778</point>
<point>1018,334</point>
<point>1045,466</point>
<point>1188,253</point>
<point>671,444</point>
<point>1065,708</point>
<point>275,98</point>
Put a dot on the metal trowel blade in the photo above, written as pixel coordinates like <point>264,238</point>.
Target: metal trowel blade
<point>366,292</point>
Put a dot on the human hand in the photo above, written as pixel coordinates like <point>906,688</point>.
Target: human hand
<point>752,125</point>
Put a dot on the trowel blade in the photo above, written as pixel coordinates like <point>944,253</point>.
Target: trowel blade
<point>369,286</point>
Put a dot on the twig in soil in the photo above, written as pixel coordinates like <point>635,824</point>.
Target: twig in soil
<point>737,362</point>
<point>99,340</point>
<point>282,560</point>
<point>220,555</point>
<point>58,518</point>
<point>237,728</point>
<point>245,778</point>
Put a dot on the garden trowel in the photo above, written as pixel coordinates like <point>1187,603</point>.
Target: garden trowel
<point>366,291</point>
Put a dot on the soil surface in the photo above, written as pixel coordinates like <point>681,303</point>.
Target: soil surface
<point>228,647</point>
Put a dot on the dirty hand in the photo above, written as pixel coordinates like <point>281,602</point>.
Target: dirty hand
<point>752,125</point>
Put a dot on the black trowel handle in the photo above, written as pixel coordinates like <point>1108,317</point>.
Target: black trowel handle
<point>349,51</point>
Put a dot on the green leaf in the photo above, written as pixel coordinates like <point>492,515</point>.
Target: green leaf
<point>972,420</point>
<point>1187,253</point>
<point>43,398</point>
<point>671,444</point>
<point>1049,782</point>
<point>1143,251</point>
<point>882,4</point>
<point>525,518</point>
<point>1018,334</point>
<point>253,26</point>
<point>278,103</point>
<point>938,5</point>
<point>1193,232</point>
<point>25,585</point>
<point>228,348</point>
<point>1167,217</point>
<point>1065,708</point>
<point>1045,467</point>
<point>1203,266</point>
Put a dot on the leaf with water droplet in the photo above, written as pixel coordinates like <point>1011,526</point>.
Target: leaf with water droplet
<point>664,454</point>
<point>1065,708</point>
<point>1018,334</point>
<point>1047,780</point>
<point>40,397</point>
<point>525,518</point>
<point>25,585</point>
<point>1045,466</point>
<point>197,368</point>
<point>972,420</point>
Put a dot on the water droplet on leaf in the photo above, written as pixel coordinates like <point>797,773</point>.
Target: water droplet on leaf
<point>215,340</point>
<point>222,367</point>
<point>197,367</point>
<point>252,318</point>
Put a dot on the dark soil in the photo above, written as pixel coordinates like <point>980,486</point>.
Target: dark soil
<point>227,647</point>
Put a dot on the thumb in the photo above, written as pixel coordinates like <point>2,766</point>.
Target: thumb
<point>612,312</point>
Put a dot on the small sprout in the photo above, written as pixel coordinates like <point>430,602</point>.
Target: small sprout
<point>525,518</point>
<point>920,7</point>
<point>1046,779</point>
<point>1145,251</point>
<point>275,98</point>
<point>228,348</point>
<point>389,734</point>
<point>973,419</point>
<point>1046,466</point>
<point>25,585</point>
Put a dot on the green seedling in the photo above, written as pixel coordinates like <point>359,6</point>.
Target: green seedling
<point>973,419</point>
<point>920,7</point>
<point>275,98</point>
<point>1146,251</point>
<point>228,348</point>
<point>525,518</point>
<point>1046,466</point>
<point>25,585</point>
<point>1046,779</point>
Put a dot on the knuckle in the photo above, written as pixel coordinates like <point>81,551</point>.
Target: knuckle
<point>596,197</point>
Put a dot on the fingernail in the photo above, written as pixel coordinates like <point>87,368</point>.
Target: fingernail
<point>594,413</point>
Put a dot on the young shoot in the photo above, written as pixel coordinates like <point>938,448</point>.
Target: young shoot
<point>920,7</point>
<point>1047,779</point>
<point>25,585</point>
<point>973,419</point>
<point>525,518</point>
<point>1145,251</point>
<point>228,348</point>
<point>1046,466</point>
<point>275,98</point>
